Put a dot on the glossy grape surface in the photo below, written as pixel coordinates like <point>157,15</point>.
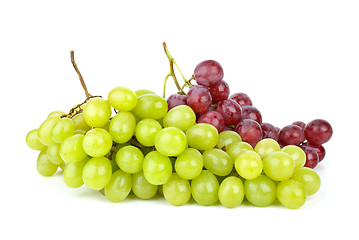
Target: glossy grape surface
<point>97,112</point>
<point>202,136</point>
<point>260,191</point>
<point>157,168</point>
<point>122,99</point>
<point>118,187</point>
<point>177,191</point>
<point>291,194</point>
<point>97,173</point>
<point>170,141</point>
<point>231,192</point>
<point>205,188</point>
<point>122,127</point>
<point>208,73</point>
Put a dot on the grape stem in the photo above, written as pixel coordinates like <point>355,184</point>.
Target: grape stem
<point>72,53</point>
<point>173,63</point>
<point>77,109</point>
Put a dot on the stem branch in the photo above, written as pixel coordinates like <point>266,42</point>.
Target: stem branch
<point>171,61</point>
<point>88,95</point>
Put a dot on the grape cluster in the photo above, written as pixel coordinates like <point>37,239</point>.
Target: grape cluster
<point>212,103</point>
<point>203,144</point>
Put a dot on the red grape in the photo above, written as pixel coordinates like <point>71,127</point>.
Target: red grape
<point>214,118</point>
<point>300,124</point>
<point>320,151</point>
<point>230,110</point>
<point>318,132</point>
<point>250,112</point>
<point>176,100</point>
<point>208,73</point>
<point>250,131</point>
<point>311,156</point>
<point>291,135</point>
<point>219,91</point>
<point>199,99</point>
<point>242,99</point>
<point>269,131</point>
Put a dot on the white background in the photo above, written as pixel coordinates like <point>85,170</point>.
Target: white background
<point>297,60</point>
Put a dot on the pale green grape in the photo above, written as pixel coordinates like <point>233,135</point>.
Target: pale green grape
<point>308,178</point>
<point>97,173</point>
<point>119,186</point>
<point>248,164</point>
<point>278,166</point>
<point>141,92</point>
<point>182,117</point>
<point>141,187</point>
<point>106,126</point>
<point>236,148</point>
<point>97,142</point>
<point>63,129</point>
<point>202,136</point>
<point>44,131</point>
<point>146,131</point>
<point>157,168</point>
<point>170,141</point>
<point>129,159</point>
<point>33,141</point>
<point>73,173</point>
<point>54,154</point>
<point>297,154</point>
<point>71,150</point>
<point>227,137</point>
<point>205,188</point>
<point>177,191</point>
<point>122,99</point>
<point>97,112</point>
<point>44,166</point>
<point>291,194</point>
<point>150,106</point>
<point>231,192</point>
<point>260,191</point>
<point>56,112</point>
<point>80,131</point>
<point>266,146</point>
<point>80,123</point>
<point>217,162</point>
<point>122,127</point>
<point>189,164</point>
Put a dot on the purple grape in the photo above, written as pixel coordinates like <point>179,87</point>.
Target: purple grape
<point>269,131</point>
<point>250,131</point>
<point>311,156</point>
<point>318,132</point>
<point>250,112</point>
<point>242,99</point>
<point>230,110</point>
<point>208,73</point>
<point>199,99</point>
<point>219,91</point>
<point>291,135</point>
<point>175,100</point>
<point>214,118</point>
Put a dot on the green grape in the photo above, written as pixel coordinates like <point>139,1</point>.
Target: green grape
<point>227,137</point>
<point>33,141</point>
<point>150,106</point>
<point>177,191</point>
<point>73,173</point>
<point>266,146</point>
<point>122,127</point>
<point>230,192</point>
<point>71,150</point>
<point>54,154</point>
<point>157,168</point>
<point>97,142</point>
<point>141,187</point>
<point>146,131</point>
<point>80,131</point>
<point>248,164</point>
<point>261,191</point>
<point>141,92</point>
<point>170,141</point>
<point>217,162</point>
<point>278,166</point>
<point>308,178</point>
<point>122,99</point>
<point>80,123</point>
<point>106,126</point>
<point>56,112</point>
<point>205,188</point>
<point>291,194</point>
<point>44,131</point>
<point>182,117</point>
<point>63,129</point>
<point>297,154</point>
<point>44,166</point>
<point>97,112</point>
<point>119,186</point>
<point>97,172</point>
<point>236,148</point>
<point>129,159</point>
<point>202,136</point>
<point>189,164</point>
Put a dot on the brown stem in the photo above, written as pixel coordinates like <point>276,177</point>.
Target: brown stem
<point>88,95</point>
<point>77,109</point>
